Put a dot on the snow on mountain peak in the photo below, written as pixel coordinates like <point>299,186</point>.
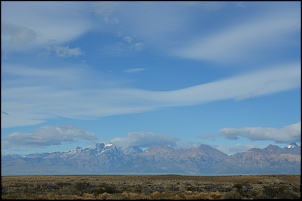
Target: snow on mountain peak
<point>292,145</point>
<point>108,145</point>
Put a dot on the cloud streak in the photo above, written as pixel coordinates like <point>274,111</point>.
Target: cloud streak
<point>265,28</point>
<point>246,40</point>
<point>31,95</point>
<point>42,23</point>
<point>15,37</point>
<point>169,31</point>
<point>30,100</point>
<point>49,135</point>
<point>134,70</point>
<point>288,134</point>
<point>241,87</point>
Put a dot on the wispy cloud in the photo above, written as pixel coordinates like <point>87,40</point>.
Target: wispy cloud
<point>105,10</point>
<point>49,135</point>
<point>128,39</point>
<point>32,95</point>
<point>138,46</point>
<point>125,46</point>
<point>66,52</point>
<point>144,139</point>
<point>42,23</point>
<point>245,40</point>
<point>14,37</point>
<point>241,87</point>
<point>171,30</point>
<point>134,70</point>
<point>131,44</point>
<point>31,100</point>
<point>264,32</point>
<point>288,134</point>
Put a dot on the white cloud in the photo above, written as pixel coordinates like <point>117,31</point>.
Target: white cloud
<point>131,44</point>
<point>269,81</point>
<point>170,19</point>
<point>138,19</point>
<point>265,29</point>
<point>49,135</point>
<point>246,40</point>
<point>288,134</point>
<point>144,139</point>
<point>171,30</point>
<point>43,23</point>
<point>16,37</point>
<point>26,71</point>
<point>66,52</point>
<point>35,97</point>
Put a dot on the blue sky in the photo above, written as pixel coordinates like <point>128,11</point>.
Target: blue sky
<point>226,74</point>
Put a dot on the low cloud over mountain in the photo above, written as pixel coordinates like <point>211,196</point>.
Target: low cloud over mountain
<point>49,135</point>
<point>290,133</point>
<point>144,139</point>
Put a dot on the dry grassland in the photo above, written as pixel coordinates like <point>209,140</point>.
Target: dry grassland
<point>153,187</point>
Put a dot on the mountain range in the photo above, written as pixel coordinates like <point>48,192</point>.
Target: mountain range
<point>106,158</point>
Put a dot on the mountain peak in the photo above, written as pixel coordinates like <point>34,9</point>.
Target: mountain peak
<point>108,145</point>
<point>129,150</point>
<point>100,146</point>
<point>292,145</point>
<point>106,159</point>
<point>272,147</point>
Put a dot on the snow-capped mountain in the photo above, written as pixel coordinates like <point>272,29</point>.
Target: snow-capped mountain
<point>292,145</point>
<point>106,158</point>
<point>130,150</point>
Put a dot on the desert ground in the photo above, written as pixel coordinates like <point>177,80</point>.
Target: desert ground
<point>151,187</point>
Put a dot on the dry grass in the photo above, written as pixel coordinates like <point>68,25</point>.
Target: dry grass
<point>155,187</point>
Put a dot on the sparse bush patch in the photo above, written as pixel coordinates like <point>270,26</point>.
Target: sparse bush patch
<point>172,187</point>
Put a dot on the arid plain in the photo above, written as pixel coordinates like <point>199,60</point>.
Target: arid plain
<point>152,187</point>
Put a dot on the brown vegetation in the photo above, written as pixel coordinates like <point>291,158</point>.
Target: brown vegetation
<point>173,187</point>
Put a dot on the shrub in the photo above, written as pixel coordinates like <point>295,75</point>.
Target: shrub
<point>232,195</point>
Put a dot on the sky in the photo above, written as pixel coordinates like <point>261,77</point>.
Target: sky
<point>181,74</point>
